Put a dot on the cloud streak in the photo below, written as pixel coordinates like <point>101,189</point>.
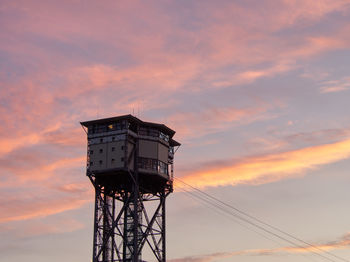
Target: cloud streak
<point>333,86</point>
<point>43,200</point>
<point>39,208</point>
<point>215,119</point>
<point>342,243</point>
<point>268,168</point>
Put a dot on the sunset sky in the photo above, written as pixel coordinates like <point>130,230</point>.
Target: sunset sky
<point>258,92</point>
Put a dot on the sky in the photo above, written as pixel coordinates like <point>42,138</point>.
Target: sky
<point>257,91</point>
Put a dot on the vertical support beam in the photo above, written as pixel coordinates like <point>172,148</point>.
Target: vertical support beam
<point>113,229</point>
<point>94,250</point>
<point>163,227</point>
<point>105,228</point>
<point>125,236</point>
<point>136,202</point>
<point>135,224</point>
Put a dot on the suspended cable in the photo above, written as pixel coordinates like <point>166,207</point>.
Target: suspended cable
<point>206,202</point>
<point>222,212</point>
<point>267,225</point>
<point>264,223</point>
<point>251,223</point>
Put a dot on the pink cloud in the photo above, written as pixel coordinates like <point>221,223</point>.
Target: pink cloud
<point>215,119</point>
<point>167,70</point>
<point>16,210</point>
<point>317,45</point>
<point>333,86</point>
<point>309,10</point>
<point>221,43</point>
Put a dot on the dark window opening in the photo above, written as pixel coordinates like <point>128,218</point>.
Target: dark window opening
<point>153,164</point>
<point>101,150</point>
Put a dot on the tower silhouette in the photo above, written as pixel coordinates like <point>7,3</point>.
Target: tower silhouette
<point>130,164</point>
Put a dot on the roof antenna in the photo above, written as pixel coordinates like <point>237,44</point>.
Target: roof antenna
<point>140,108</point>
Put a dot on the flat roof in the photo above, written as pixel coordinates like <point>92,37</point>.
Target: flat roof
<point>135,120</point>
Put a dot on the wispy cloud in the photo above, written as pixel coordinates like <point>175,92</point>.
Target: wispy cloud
<point>27,167</point>
<point>216,119</point>
<point>333,86</point>
<point>342,243</point>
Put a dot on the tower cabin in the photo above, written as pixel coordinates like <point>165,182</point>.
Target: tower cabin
<point>125,148</point>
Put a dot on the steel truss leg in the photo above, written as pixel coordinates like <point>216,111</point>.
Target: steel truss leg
<point>122,226</point>
<point>154,234</point>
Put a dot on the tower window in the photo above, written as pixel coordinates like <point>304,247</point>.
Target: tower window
<point>122,159</point>
<point>91,152</point>
<point>101,150</point>
<point>101,140</point>
<point>122,147</point>
<point>100,162</point>
<point>113,160</point>
<point>113,148</point>
<point>91,163</point>
<point>113,138</point>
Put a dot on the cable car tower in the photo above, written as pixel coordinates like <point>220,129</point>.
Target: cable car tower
<point>130,164</point>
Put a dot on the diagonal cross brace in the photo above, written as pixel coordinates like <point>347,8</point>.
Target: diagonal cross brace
<point>109,234</point>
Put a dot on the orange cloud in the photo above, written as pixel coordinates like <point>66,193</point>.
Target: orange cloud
<point>267,168</point>
<point>343,242</point>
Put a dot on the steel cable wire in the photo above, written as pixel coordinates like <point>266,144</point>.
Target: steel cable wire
<point>230,216</point>
<point>266,224</point>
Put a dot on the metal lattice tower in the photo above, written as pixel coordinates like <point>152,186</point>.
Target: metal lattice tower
<point>130,164</point>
